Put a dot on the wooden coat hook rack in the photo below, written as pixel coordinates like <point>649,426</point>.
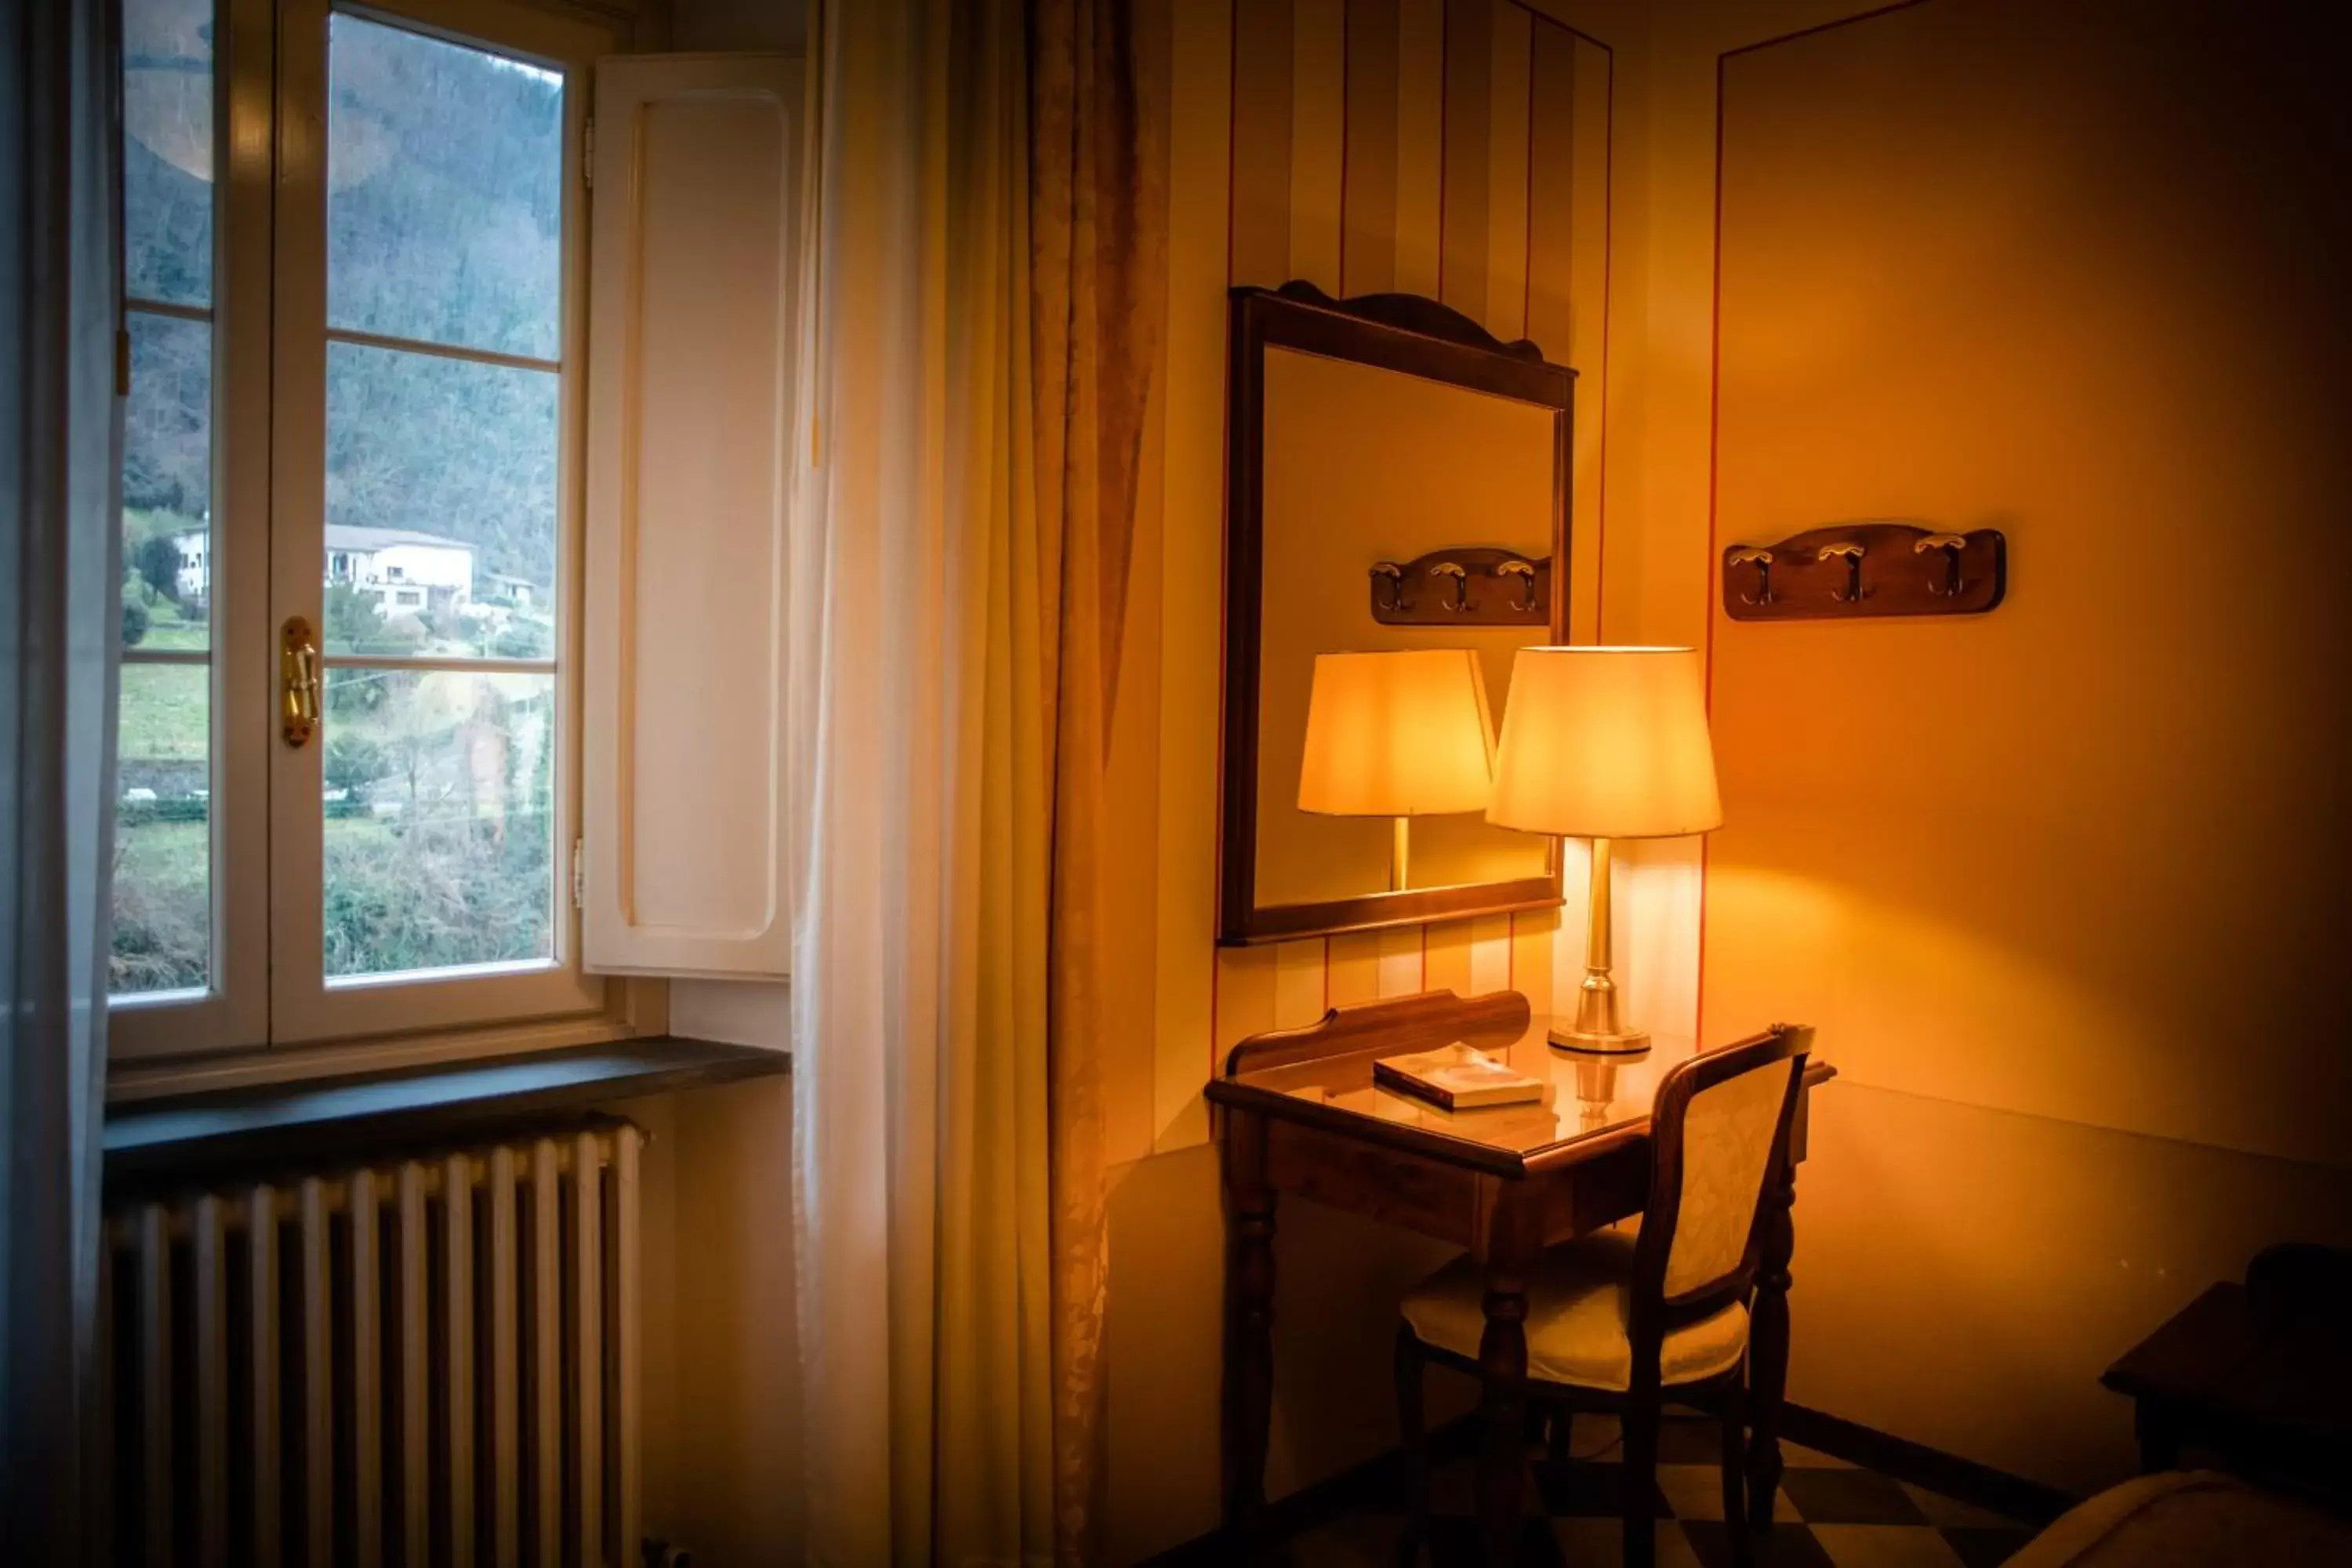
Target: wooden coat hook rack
<point>1866,568</point>
<point>1464,585</point>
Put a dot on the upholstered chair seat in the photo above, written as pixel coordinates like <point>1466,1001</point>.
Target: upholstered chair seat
<point>1579,1319</point>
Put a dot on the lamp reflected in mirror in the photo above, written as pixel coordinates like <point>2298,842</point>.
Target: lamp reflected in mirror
<point>1399,734</point>
<point>1388,459</point>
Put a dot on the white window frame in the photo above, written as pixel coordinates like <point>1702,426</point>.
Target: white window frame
<point>268,988</point>
<point>233,1010</point>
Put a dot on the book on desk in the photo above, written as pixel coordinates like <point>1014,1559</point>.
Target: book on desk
<point>1456,1077</point>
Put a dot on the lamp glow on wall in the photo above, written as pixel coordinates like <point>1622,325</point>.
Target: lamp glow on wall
<point>1605,743</point>
<point>1399,734</point>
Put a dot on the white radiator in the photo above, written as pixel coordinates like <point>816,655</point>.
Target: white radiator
<point>428,1360</point>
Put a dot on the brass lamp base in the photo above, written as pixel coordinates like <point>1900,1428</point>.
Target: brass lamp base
<point>1598,1028</point>
<point>1601,1042</point>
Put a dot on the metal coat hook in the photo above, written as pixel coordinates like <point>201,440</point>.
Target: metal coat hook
<point>1852,556</point>
<point>1748,554</point>
<point>1461,580</point>
<point>1951,544</point>
<point>1971,578</point>
<point>1522,595</point>
<point>1415,592</point>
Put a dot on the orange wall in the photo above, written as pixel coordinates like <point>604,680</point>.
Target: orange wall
<point>1993,262</point>
<point>2076,272</point>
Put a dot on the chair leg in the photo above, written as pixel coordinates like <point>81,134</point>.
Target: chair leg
<point>1640,1474</point>
<point>1413,1435</point>
<point>1734,1469</point>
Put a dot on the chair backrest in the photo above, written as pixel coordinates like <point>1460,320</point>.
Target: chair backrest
<point>1718,1135</point>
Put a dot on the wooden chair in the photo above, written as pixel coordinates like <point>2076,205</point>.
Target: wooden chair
<point>1621,1323</point>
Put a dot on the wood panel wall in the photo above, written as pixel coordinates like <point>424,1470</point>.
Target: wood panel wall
<point>1452,148</point>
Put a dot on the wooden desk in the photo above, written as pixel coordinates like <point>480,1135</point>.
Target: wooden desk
<point>1298,1112</point>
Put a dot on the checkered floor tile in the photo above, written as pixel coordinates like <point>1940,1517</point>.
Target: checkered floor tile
<point>1828,1514</point>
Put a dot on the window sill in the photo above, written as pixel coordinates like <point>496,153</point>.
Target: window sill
<point>177,1137</point>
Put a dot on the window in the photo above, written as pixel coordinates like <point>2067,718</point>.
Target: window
<point>351,440</point>
<point>164,859</point>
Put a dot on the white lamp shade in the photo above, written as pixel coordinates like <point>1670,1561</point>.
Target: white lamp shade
<point>1606,742</point>
<point>1396,734</point>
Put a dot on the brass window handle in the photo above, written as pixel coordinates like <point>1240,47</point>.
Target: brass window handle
<point>297,681</point>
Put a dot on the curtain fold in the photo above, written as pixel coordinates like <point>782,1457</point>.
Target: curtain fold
<point>1098,273</point>
<point>60,434</point>
<point>982,283</point>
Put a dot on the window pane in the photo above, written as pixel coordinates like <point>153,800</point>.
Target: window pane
<point>167,149</point>
<point>167,484</point>
<point>163,846</point>
<point>440,830</point>
<point>162,850</point>
<point>445,182</point>
<point>440,505</point>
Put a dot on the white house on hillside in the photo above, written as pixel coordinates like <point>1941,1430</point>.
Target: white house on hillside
<point>403,570</point>
<point>196,575</point>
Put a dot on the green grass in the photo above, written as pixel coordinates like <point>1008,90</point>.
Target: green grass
<point>163,634</point>
<point>162,898</point>
<point>164,712</point>
<point>166,857</point>
<point>169,625</point>
<point>165,707</point>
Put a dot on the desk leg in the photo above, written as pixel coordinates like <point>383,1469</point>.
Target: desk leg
<point>1503,1376</point>
<point>1768,1365</point>
<point>1249,1321</point>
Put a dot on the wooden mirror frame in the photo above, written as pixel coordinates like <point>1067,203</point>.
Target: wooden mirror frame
<point>1413,336</point>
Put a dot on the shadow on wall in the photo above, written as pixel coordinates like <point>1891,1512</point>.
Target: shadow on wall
<point>721,1362</point>
<point>1964,1275</point>
<point>1334,1405</point>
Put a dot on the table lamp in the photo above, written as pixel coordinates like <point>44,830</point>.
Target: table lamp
<point>1605,743</point>
<point>1400,735</point>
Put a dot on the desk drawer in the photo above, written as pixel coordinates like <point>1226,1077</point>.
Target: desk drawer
<point>1396,1188</point>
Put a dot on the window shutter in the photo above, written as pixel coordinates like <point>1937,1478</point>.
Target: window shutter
<point>695,167</point>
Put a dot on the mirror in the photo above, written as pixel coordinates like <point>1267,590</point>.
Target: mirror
<point>1397,530</point>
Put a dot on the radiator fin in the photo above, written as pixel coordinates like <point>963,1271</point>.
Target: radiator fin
<point>417,1361</point>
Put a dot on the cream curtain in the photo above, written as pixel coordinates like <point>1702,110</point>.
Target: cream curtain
<point>976,388</point>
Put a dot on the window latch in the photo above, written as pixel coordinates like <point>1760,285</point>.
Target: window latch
<point>298,679</point>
